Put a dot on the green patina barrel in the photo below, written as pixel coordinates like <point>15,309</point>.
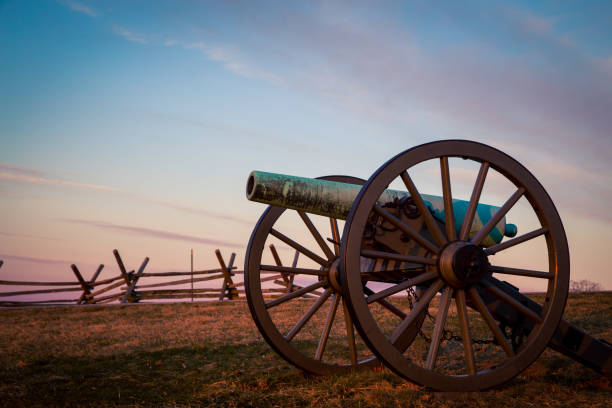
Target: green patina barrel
<point>333,199</point>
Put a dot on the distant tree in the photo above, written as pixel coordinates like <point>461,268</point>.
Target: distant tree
<point>584,286</point>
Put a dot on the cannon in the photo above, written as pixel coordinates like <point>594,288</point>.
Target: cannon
<point>445,292</point>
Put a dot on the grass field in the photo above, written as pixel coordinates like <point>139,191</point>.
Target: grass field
<point>211,354</point>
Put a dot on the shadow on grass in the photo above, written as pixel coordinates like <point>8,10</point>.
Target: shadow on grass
<point>178,375</point>
<point>240,375</point>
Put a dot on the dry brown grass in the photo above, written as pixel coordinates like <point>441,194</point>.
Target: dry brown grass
<point>210,354</point>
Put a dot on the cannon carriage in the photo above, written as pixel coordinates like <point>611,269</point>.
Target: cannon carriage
<point>417,282</point>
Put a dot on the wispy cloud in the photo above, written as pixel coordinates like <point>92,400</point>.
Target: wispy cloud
<point>528,22</point>
<point>233,60</point>
<point>31,176</point>
<point>21,170</point>
<point>605,64</point>
<point>198,211</point>
<point>8,234</point>
<point>129,35</point>
<point>25,175</point>
<point>80,8</point>
<point>561,98</point>
<point>156,233</point>
<point>44,261</point>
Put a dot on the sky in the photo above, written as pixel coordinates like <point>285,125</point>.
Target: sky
<point>134,124</point>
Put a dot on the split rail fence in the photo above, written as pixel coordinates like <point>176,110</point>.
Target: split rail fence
<point>132,286</point>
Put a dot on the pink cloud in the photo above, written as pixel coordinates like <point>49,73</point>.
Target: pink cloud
<point>45,261</point>
<point>156,233</point>
<point>26,175</point>
<point>20,170</point>
<point>22,178</point>
<point>8,234</point>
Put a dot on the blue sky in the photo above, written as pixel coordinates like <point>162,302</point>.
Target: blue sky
<point>134,124</point>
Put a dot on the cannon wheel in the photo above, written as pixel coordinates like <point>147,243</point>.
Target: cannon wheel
<point>288,343</point>
<point>468,287</point>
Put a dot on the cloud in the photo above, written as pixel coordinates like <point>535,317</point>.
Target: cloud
<point>529,22</point>
<point>8,234</point>
<point>45,261</point>
<point>129,35</point>
<point>605,64</point>
<point>20,170</point>
<point>18,174</point>
<point>80,8</point>
<point>198,211</point>
<point>5,176</point>
<point>548,96</point>
<point>31,176</point>
<point>511,79</point>
<point>156,233</point>
<point>233,60</point>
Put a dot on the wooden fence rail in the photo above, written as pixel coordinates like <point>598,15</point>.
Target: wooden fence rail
<point>127,287</point>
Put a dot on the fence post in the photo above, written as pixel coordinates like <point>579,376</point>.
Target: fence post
<point>228,285</point>
<point>132,285</point>
<point>84,285</point>
<point>126,276</point>
<point>278,262</point>
<point>92,280</point>
<point>292,276</point>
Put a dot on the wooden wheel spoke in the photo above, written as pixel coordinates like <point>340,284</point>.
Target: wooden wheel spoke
<point>427,276</point>
<point>289,269</point>
<point>419,306</point>
<point>386,304</point>
<point>449,215</point>
<point>371,275</point>
<point>512,302</point>
<point>398,257</point>
<point>335,235</point>
<point>297,293</point>
<point>432,225</point>
<point>392,308</point>
<point>350,333</point>
<point>488,318</point>
<point>515,241</point>
<point>333,307</point>
<point>521,272</point>
<point>316,235</point>
<point>309,313</point>
<point>298,247</point>
<point>499,214</point>
<point>465,331</point>
<point>473,204</point>
<point>406,229</point>
<point>436,337</point>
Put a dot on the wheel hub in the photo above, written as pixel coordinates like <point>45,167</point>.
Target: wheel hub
<point>462,264</point>
<point>334,275</point>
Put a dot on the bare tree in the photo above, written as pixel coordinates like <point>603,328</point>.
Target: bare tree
<point>584,286</point>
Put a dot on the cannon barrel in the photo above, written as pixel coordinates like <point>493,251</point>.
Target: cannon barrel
<point>334,199</point>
